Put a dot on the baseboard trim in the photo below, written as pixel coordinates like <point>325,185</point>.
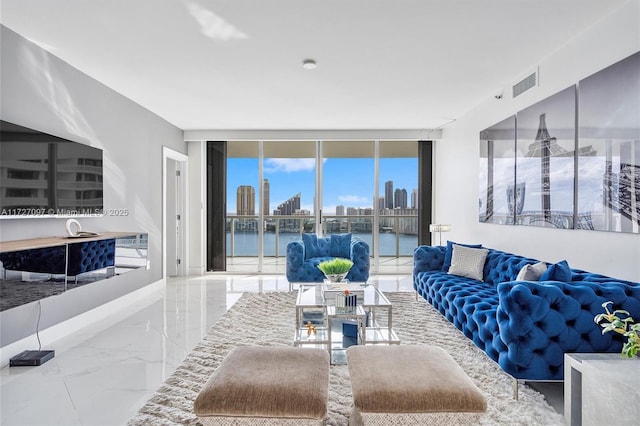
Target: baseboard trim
<point>50,335</point>
<point>196,270</point>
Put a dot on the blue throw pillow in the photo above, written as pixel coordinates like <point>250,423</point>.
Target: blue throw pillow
<point>310,245</point>
<point>558,272</point>
<point>449,253</point>
<point>340,245</point>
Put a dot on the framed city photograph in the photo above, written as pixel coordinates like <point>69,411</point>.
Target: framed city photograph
<point>609,149</point>
<point>545,157</point>
<point>498,196</point>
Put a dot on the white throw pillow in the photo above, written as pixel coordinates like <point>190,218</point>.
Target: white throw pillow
<point>532,272</point>
<point>468,262</point>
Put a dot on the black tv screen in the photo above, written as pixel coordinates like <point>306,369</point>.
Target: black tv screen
<point>42,175</point>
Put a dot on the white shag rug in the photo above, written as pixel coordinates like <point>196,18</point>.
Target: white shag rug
<point>268,319</point>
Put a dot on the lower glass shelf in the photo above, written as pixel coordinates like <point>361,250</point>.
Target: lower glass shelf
<point>302,337</point>
<point>382,335</point>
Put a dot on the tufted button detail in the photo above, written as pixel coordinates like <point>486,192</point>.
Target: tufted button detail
<point>512,322</point>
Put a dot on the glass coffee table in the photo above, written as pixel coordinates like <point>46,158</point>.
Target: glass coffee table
<point>319,323</point>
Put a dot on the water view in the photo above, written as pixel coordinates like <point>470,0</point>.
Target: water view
<point>246,243</point>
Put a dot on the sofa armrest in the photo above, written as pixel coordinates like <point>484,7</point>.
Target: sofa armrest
<point>295,252</point>
<point>359,255</point>
<point>295,258</point>
<point>539,321</point>
<point>428,258</point>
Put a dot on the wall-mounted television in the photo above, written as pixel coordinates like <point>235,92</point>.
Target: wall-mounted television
<point>42,175</point>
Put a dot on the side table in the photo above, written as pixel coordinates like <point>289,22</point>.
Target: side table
<point>601,388</point>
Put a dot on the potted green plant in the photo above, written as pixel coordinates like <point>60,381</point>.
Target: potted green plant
<point>624,326</point>
<point>335,269</point>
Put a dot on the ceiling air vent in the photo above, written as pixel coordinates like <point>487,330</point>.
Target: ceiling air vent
<point>524,85</point>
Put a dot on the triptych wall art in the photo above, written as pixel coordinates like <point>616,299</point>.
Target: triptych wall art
<point>570,161</point>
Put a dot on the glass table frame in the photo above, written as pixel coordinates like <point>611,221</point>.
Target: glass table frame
<point>317,301</point>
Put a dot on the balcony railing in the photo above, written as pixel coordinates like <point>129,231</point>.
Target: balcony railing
<point>398,234</point>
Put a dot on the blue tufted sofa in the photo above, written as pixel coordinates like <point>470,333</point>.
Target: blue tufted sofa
<point>524,326</point>
<point>85,256</point>
<point>304,255</point>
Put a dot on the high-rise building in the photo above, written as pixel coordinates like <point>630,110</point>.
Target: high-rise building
<point>400,198</point>
<point>265,195</point>
<point>290,206</point>
<point>381,203</point>
<point>246,201</point>
<point>414,198</point>
<point>340,210</point>
<point>388,194</point>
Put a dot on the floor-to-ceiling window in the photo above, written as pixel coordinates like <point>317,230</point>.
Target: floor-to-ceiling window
<point>242,198</point>
<point>289,173</point>
<point>398,207</point>
<point>278,189</point>
<point>348,188</point>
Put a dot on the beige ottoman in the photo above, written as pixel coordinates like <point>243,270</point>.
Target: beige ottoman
<point>400,385</point>
<point>267,386</point>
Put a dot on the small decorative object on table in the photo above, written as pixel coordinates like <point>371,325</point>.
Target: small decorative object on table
<point>311,328</point>
<point>346,301</point>
<point>625,326</point>
<point>336,269</point>
<point>350,300</point>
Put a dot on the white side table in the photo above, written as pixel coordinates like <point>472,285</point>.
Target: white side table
<point>601,388</point>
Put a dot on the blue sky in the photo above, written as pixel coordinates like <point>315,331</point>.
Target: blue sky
<point>347,181</point>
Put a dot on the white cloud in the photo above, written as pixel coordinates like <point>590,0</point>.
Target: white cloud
<point>289,165</point>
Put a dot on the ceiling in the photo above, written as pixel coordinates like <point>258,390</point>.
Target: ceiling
<point>237,64</point>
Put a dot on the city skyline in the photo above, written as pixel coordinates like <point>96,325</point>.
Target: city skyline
<point>347,182</point>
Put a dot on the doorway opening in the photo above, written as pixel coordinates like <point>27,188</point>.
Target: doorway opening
<point>174,213</point>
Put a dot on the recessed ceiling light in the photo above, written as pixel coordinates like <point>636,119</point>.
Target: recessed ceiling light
<point>309,64</point>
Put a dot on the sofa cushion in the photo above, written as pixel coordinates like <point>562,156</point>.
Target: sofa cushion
<point>449,252</point>
<point>468,262</point>
<point>340,245</point>
<point>310,245</point>
<point>532,272</point>
<point>558,272</point>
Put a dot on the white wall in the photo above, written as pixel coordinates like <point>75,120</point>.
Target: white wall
<point>44,93</point>
<point>615,37</point>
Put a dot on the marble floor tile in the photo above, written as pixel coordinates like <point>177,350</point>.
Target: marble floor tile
<point>104,373</point>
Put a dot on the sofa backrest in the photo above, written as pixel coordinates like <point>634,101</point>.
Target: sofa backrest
<point>336,245</point>
<point>314,246</point>
<point>501,266</point>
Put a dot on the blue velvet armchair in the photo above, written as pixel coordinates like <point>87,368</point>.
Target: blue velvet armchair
<point>304,255</point>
